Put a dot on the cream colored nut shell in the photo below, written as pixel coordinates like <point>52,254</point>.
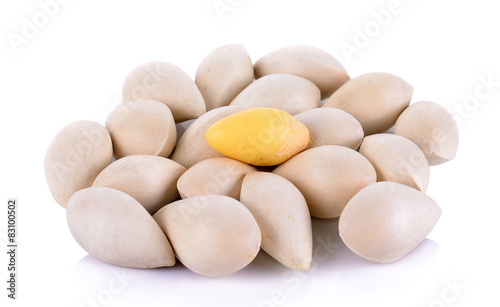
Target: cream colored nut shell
<point>329,126</point>
<point>76,155</point>
<point>308,62</point>
<point>151,180</point>
<point>386,220</point>
<point>212,235</point>
<point>328,176</point>
<point>396,159</point>
<point>192,146</point>
<point>432,128</point>
<point>142,127</point>
<point>374,99</point>
<point>286,92</point>
<point>283,217</point>
<point>223,74</point>
<point>168,84</point>
<point>219,176</point>
<point>113,227</point>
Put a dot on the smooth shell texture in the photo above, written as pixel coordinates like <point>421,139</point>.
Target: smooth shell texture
<point>396,159</point>
<point>328,176</point>
<point>212,235</point>
<point>308,62</point>
<point>432,128</point>
<point>258,136</point>
<point>166,83</point>
<point>286,92</point>
<point>374,99</point>
<point>386,220</point>
<point>142,127</point>
<point>217,176</point>
<point>192,146</point>
<point>223,74</point>
<point>283,217</point>
<point>77,154</point>
<point>151,180</point>
<point>113,227</point>
<point>329,126</point>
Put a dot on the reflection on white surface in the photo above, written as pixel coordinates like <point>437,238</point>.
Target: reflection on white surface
<point>336,272</point>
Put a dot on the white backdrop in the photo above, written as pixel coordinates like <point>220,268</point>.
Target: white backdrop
<point>66,60</point>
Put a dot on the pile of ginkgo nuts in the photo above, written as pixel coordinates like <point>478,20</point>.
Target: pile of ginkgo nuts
<point>271,144</point>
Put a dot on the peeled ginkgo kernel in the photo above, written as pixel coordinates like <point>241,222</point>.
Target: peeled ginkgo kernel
<point>258,136</point>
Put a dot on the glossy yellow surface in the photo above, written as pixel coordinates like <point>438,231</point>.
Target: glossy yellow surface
<point>258,136</point>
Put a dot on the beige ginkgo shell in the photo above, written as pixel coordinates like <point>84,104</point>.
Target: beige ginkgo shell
<point>328,176</point>
<point>396,159</point>
<point>374,99</point>
<point>286,92</point>
<point>223,74</point>
<point>212,235</point>
<point>192,146</point>
<point>77,154</point>
<point>308,62</point>
<point>142,127</point>
<point>113,227</point>
<point>330,126</point>
<point>168,84</point>
<point>217,176</point>
<point>387,220</point>
<point>432,128</point>
<point>151,180</point>
<point>283,217</point>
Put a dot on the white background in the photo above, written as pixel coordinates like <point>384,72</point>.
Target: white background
<point>72,68</point>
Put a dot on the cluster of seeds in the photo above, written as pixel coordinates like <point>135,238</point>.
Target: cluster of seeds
<point>271,144</point>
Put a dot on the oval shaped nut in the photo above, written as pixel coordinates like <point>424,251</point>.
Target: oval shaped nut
<point>192,146</point>
<point>396,159</point>
<point>151,180</point>
<point>142,127</point>
<point>283,217</point>
<point>374,99</point>
<point>113,227</point>
<point>212,235</point>
<point>258,136</point>
<point>223,74</point>
<point>286,92</point>
<point>329,126</point>
<point>168,84</point>
<point>308,62</point>
<point>386,220</point>
<point>432,128</point>
<point>76,155</point>
<point>214,176</point>
<point>328,177</point>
